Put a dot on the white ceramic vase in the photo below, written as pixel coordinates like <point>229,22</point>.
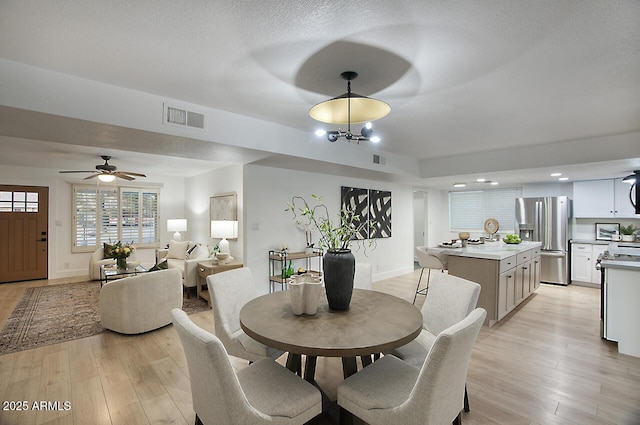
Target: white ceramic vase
<point>304,291</point>
<point>628,238</point>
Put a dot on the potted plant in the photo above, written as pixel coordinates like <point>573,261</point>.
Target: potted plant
<point>627,232</point>
<point>338,263</point>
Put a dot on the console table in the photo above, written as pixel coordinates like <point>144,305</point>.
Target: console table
<point>206,268</point>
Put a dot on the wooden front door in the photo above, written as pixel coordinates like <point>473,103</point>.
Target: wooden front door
<point>23,232</point>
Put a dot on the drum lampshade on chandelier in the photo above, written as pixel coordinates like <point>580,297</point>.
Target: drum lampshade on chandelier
<point>349,108</point>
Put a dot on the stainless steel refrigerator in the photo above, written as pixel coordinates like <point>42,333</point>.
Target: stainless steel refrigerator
<point>547,220</point>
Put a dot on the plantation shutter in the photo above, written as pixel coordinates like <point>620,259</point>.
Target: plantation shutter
<point>114,214</point>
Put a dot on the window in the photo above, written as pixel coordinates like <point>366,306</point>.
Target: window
<point>469,210</point>
<point>18,201</point>
<point>127,214</point>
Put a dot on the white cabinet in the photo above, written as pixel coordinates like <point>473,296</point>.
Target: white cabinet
<point>602,199</point>
<point>623,209</point>
<point>583,262</point>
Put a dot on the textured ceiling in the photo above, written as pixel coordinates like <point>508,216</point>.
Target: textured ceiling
<point>461,77</point>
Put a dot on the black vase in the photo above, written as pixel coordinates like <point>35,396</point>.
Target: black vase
<point>339,267</point>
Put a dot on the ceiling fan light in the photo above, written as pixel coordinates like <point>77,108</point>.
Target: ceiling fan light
<point>107,178</point>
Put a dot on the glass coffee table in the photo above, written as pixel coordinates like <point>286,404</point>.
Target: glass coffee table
<point>112,272</point>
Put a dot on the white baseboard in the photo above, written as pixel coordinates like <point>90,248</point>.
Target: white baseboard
<point>392,273</point>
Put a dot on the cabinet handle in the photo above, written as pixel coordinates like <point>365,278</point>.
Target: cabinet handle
<point>201,269</point>
<point>525,268</point>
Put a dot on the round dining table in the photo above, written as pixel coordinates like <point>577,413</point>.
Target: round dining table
<point>375,323</point>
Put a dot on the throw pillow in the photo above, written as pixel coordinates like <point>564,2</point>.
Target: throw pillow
<point>191,248</point>
<point>200,252</point>
<point>177,250</point>
<point>160,266</point>
<point>108,250</point>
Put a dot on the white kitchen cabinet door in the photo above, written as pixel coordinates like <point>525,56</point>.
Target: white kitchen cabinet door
<point>581,262</point>
<point>594,199</point>
<point>623,209</point>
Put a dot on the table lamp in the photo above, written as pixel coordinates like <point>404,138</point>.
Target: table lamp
<point>224,229</point>
<point>177,225</point>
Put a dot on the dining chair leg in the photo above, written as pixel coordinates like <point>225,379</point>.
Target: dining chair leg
<point>198,421</point>
<point>426,288</point>
<point>466,399</point>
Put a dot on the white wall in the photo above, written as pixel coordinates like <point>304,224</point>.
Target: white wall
<point>62,262</point>
<point>266,193</point>
<point>198,191</point>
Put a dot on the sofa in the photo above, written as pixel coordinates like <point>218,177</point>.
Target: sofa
<point>184,256</point>
<point>140,303</point>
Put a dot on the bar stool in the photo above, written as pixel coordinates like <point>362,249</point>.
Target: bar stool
<point>428,261</point>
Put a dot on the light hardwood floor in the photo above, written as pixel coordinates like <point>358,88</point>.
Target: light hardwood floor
<point>544,364</point>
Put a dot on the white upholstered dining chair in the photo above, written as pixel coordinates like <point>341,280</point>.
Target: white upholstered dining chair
<point>428,261</point>
<point>392,391</point>
<point>449,300</point>
<point>229,291</point>
<point>262,393</point>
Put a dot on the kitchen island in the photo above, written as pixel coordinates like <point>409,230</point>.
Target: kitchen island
<point>507,273</point>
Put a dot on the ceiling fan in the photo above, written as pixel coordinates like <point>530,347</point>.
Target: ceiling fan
<point>107,172</point>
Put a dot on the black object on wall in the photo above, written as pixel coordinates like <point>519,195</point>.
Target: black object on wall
<point>634,193</point>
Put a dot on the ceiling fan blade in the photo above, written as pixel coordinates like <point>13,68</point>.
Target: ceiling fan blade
<point>131,174</point>
<point>76,171</point>
<point>123,176</point>
<point>91,177</point>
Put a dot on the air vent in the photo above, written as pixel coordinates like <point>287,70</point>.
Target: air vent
<point>182,117</point>
<point>380,160</point>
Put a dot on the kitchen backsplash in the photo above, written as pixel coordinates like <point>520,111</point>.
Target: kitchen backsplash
<point>585,228</point>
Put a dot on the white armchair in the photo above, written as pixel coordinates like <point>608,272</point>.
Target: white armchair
<point>140,303</point>
<point>95,261</point>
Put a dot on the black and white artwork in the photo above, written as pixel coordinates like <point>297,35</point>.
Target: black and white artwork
<point>356,200</point>
<point>380,212</point>
<point>369,204</point>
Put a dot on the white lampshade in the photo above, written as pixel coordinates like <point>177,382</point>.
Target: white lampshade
<point>224,229</point>
<point>177,225</point>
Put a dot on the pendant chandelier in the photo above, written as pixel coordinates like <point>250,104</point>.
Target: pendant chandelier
<point>349,108</point>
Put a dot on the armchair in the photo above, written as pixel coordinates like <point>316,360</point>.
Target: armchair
<point>95,261</point>
<point>188,267</point>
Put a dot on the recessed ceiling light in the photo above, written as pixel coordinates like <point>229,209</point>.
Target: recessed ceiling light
<point>555,174</point>
<point>481,180</point>
<point>459,185</point>
<point>562,179</point>
<point>494,183</point>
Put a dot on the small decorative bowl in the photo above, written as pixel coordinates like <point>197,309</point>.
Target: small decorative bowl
<point>222,257</point>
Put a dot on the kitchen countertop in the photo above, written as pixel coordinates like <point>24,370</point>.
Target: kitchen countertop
<point>596,242</point>
<point>489,250</point>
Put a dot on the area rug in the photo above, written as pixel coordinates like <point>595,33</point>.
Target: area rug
<point>56,313</point>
